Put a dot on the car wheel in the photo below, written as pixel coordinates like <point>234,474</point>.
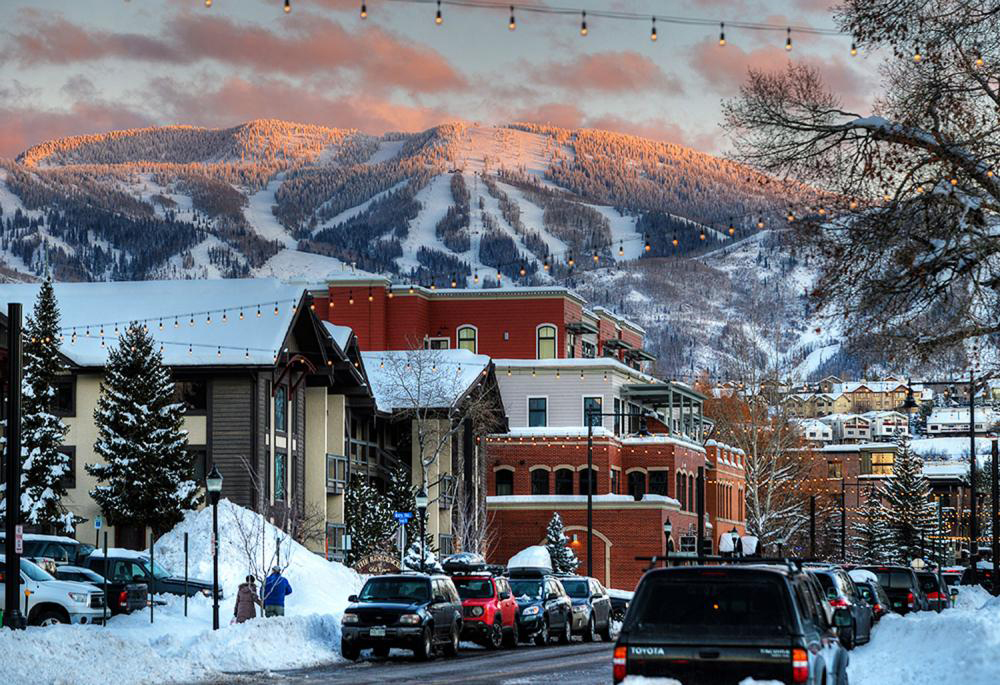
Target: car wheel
<point>567,634</point>
<point>591,634</point>
<point>451,649</point>
<point>495,638</point>
<point>381,652</point>
<point>349,652</point>
<point>606,631</point>
<point>511,639</point>
<point>49,618</point>
<point>424,648</point>
<point>847,639</point>
<point>542,636</point>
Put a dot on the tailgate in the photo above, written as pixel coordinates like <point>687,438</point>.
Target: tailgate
<point>711,664</point>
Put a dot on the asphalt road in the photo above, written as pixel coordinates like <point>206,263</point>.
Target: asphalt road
<point>578,663</point>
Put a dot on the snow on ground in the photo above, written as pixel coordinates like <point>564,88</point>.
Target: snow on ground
<point>951,448</point>
<point>352,212</point>
<point>258,213</point>
<point>293,266</point>
<point>435,199</point>
<point>622,231</point>
<point>387,149</point>
<point>176,648</point>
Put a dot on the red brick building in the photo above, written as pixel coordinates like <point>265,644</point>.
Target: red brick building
<point>725,489</point>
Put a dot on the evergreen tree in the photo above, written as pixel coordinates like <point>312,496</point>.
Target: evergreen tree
<point>147,476</point>
<point>411,561</point>
<point>402,495</point>
<point>872,540</point>
<point>563,558</point>
<point>368,517</point>
<point>44,466</point>
<point>907,495</point>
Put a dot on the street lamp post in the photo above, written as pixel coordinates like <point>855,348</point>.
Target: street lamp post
<point>421,502</point>
<point>213,484</point>
<point>973,522</point>
<point>667,528</point>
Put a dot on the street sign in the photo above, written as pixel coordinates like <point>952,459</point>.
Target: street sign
<point>19,539</point>
<point>403,516</point>
<point>98,522</point>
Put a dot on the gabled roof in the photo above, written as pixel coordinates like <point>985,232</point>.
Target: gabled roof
<point>436,379</point>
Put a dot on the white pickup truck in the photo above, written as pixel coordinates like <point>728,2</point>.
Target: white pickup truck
<point>45,600</point>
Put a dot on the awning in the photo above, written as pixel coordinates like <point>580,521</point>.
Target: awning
<point>581,327</point>
<point>618,343</point>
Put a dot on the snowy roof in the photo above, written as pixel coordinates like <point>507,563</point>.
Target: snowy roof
<point>951,448</point>
<point>251,341</point>
<point>946,469</point>
<point>959,415</point>
<point>874,386</point>
<point>434,378</point>
<point>859,447</point>
<point>551,500</point>
<point>341,335</point>
<point>861,575</point>
<point>576,364</point>
<point>121,553</point>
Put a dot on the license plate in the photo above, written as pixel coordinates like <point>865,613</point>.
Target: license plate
<point>897,604</point>
<point>377,631</point>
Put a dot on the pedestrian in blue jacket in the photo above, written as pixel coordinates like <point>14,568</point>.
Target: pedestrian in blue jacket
<point>276,587</point>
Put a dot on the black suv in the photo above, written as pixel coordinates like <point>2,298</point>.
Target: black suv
<point>591,607</point>
<point>841,593</point>
<point>902,586</point>
<point>408,610</point>
<point>544,608</point>
<point>720,625</point>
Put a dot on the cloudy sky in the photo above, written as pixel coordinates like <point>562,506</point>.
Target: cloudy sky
<point>84,66</point>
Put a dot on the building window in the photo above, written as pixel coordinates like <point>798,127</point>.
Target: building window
<point>446,545</point>
<point>564,482</point>
<point>539,482</point>
<point>834,469</point>
<point>546,346</point>
<point>637,484</point>
<point>447,489</point>
<point>199,461</point>
<point>193,395</point>
<point>68,481</point>
<point>336,473</point>
<point>436,343</point>
<point>682,490</point>
<point>592,404</point>
<point>658,484</point>
<point>689,544</point>
<point>882,463</point>
<point>618,416</point>
<point>335,541</point>
<point>537,412</point>
<point>588,478</point>
<point>616,484</point>
<point>505,482</point>
<point>467,338</point>
<point>588,350</point>
<point>64,401</point>
<point>281,409</point>
<point>280,473</point>
<point>692,504</point>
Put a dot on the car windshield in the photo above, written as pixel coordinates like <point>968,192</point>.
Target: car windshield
<point>91,575</point>
<point>928,582</point>
<point>578,589</point>
<point>158,571</point>
<point>727,605</point>
<point>395,590</point>
<point>34,572</point>
<point>896,580</point>
<point>474,588</point>
<point>526,589</point>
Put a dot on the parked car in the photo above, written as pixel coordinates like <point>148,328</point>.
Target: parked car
<point>841,593</point>
<point>122,598</point>
<point>873,593</point>
<point>952,575</point>
<point>544,608</point>
<point>725,624</point>
<point>934,588</point>
<point>411,611</point>
<point>619,603</point>
<point>902,586</point>
<point>48,601</point>
<point>489,610</point>
<point>984,576</point>
<point>591,607</point>
<point>57,549</point>
<point>129,566</point>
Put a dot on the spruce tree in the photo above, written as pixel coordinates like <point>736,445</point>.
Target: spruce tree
<point>872,542</point>
<point>402,496</point>
<point>911,513</point>
<point>563,558</point>
<point>368,517</point>
<point>44,466</point>
<point>147,476</point>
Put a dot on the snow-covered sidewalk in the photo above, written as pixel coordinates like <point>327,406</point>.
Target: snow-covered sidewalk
<point>176,648</point>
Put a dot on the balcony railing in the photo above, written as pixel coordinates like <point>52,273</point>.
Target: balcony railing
<point>336,473</point>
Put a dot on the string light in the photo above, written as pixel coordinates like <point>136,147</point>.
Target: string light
<point>208,319</point>
<point>512,24</point>
<point>722,33</point>
<point>570,260</point>
<point>275,308</point>
<point>917,57</point>
<point>350,297</point>
<point>258,311</point>
<point>788,39</point>
<point>288,6</point>
<point>702,234</point>
<point>760,222</point>
<point>732,229</point>
<point>475,278</point>
<point>675,241</point>
<point>454,282</point>
<point>596,258</point>
<point>161,324</point>
<point>438,19</point>
<point>979,59</point>
<point>854,49</point>
<point>646,246</point>
<point>499,278</point>
<point>208,3</point>
<point>652,32</point>
<point>371,297</point>
<point>583,23</point>
<point>621,249</point>
<point>364,11</point>
<point>522,270</point>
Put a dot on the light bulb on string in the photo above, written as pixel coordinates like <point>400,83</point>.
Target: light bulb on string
<point>596,257</point>
<point>675,241</point>
<point>917,57</point>
<point>652,31</point>
<point>545,264</point>
<point>788,39</point>
<point>208,319</point>
<point>499,277</point>
<point>208,3</point>
<point>434,284</point>
<point>646,246</point>
<point>371,297</point>
<point>621,249</point>
<point>411,289</point>
<point>979,59</point>
<point>760,222</point>
<point>225,317</point>
<point>364,11</point>
<point>854,49</point>
<point>218,351</point>
<point>522,270</point>
<point>247,353</point>
<point>475,278</point>
<point>258,311</point>
<point>512,24</point>
<point>275,308</point>
<point>191,322</point>
<point>161,324</point>
<point>557,374</point>
<point>722,33</point>
<point>732,229</point>
<point>288,6</point>
<point>454,281</point>
<point>583,24</point>
<point>438,19</point>
<point>702,234</point>
<point>571,261</point>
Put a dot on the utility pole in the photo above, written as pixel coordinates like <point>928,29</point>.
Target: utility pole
<point>590,492</point>
<point>973,524</point>
<point>12,617</point>
<point>700,499</point>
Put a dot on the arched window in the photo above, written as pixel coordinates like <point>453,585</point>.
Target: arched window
<point>467,338</point>
<point>637,484</point>
<point>681,487</point>
<point>546,344</point>
<point>539,482</point>
<point>281,409</point>
<point>505,482</point>
<point>692,504</point>
<point>588,477</point>
<point>564,482</point>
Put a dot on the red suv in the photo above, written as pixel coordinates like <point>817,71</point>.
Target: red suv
<point>489,610</point>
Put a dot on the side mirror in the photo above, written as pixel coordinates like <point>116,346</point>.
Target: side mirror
<point>953,591</point>
<point>352,598</point>
<point>439,599</point>
<point>842,618</point>
<point>831,593</point>
<point>552,595</point>
<point>504,595</point>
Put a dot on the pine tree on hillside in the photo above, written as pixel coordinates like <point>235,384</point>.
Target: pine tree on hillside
<point>907,495</point>
<point>44,467</point>
<point>147,476</point>
<point>872,540</point>
<point>368,517</point>
<point>563,558</point>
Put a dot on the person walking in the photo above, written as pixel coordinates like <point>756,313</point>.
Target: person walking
<point>246,601</point>
<point>276,588</point>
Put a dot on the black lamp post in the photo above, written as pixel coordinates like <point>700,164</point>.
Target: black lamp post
<point>667,528</point>
<point>213,484</point>
<point>421,501</point>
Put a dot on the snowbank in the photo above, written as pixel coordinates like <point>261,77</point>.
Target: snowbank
<point>959,645</point>
<point>176,648</point>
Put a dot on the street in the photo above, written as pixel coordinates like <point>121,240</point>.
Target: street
<point>579,663</point>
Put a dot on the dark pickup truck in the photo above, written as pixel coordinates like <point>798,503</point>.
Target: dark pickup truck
<point>123,565</point>
<point>719,625</point>
<point>123,597</point>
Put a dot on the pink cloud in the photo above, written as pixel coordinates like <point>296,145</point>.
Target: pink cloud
<point>27,126</point>
<point>609,72</point>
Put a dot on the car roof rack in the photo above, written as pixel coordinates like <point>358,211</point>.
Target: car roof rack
<point>794,564</point>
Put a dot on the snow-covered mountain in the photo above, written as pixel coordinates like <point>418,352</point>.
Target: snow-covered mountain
<point>458,202</point>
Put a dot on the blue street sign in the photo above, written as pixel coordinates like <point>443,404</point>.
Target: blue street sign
<point>97,523</point>
<point>403,516</point>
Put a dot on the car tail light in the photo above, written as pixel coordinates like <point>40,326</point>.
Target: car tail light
<point>619,664</point>
<point>123,599</point>
<point>839,603</point>
<point>877,608</point>
<point>933,595</point>
<point>910,600</point>
<point>800,665</point>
